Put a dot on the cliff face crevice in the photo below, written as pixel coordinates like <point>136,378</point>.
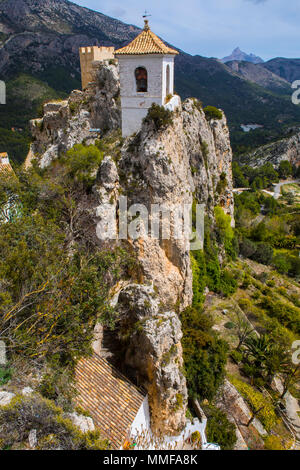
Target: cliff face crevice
<point>166,169</point>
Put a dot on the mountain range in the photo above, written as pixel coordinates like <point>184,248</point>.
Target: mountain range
<point>39,60</point>
<point>237,54</point>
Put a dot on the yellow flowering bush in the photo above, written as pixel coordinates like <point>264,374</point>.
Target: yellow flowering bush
<point>256,400</point>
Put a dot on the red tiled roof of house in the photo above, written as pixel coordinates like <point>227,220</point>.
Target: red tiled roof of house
<point>111,399</point>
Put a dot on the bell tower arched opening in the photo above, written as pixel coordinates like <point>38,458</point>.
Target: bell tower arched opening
<point>141,77</point>
<point>168,83</point>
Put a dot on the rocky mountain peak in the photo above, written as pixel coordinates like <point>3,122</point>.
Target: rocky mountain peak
<point>238,54</point>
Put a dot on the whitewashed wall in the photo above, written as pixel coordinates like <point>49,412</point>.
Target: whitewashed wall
<point>135,105</point>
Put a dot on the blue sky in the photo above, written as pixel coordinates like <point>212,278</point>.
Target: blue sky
<point>213,28</point>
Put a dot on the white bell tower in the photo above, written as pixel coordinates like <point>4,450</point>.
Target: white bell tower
<point>146,76</point>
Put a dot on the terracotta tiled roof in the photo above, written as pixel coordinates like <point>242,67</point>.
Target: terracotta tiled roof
<point>112,400</point>
<point>146,43</point>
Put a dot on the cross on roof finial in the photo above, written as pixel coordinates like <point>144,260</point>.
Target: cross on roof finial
<point>145,16</point>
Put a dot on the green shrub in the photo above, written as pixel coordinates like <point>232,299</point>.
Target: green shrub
<point>225,231</point>
<point>282,263</point>
<point>239,180</point>
<point>273,443</point>
<point>212,113</point>
<point>219,429</point>
<point>168,98</point>
<point>204,354</point>
<point>199,275</point>
<point>159,116</point>
<point>196,437</point>
<point>288,315</point>
<point>237,356</point>
<point>222,184</point>
<point>246,281</point>
<point>74,107</point>
<point>58,385</point>
<point>82,162</point>
<point>285,169</point>
<point>257,400</point>
<point>54,431</point>
<point>247,248</point>
<point>229,325</point>
<point>263,253</point>
<point>257,178</point>
<point>294,270</point>
<point>5,375</point>
<point>228,284</point>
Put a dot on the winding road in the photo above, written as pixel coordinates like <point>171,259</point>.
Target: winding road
<point>277,188</point>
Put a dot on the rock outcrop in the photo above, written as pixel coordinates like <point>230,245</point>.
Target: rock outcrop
<point>69,122</point>
<point>6,398</point>
<point>173,168</point>
<point>274,153</point>
<point>210,154</point>
<point>84,423</point>
<point>232,403</point>
<point>154,350</point>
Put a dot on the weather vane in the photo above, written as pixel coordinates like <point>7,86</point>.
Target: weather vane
<point>146,14</point>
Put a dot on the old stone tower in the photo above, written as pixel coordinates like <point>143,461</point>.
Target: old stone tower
<point>89,55</point>
<point>146,76</point>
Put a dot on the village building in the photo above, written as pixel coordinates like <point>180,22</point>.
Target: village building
<point>146,68</point>
<point>119,408</point>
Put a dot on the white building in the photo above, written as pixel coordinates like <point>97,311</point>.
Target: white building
<point>146,77</point>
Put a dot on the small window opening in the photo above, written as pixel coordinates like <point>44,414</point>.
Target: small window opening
<point>141,77</point>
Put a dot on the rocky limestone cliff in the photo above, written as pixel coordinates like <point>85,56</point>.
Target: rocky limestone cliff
<point>154,349</point>
<point>175,165</point>
<point>69,122</point>
<point>284,149</point>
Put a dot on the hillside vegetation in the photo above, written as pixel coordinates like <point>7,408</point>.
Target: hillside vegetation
<point>55,286</point>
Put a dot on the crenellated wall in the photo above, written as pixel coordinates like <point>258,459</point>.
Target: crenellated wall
<point>88,55</point>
